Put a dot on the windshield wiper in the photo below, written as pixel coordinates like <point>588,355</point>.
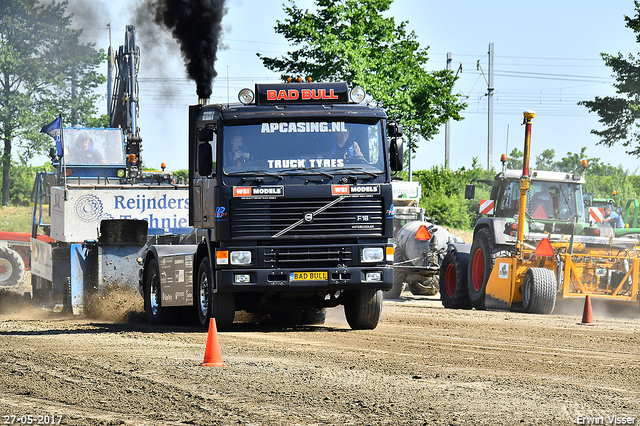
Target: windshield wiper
<point>256,173</point>
<point>307,169</point>
<point>356,169</point>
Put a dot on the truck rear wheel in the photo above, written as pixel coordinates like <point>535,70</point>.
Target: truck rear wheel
<point>362,308</point>
<point>210,304</point>
<point>153,295</point>
<point>398,277</point>
<point>454,293</point>
<point>314,316</point>
<point>11,268</point>
<point>428,287</point>
<point>539,288</point>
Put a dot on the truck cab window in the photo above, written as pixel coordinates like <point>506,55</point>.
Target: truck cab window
<point>276,146</point>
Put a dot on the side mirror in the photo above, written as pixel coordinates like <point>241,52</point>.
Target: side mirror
<point>205,135</point>
<point>205,159</point>
<point>396,154</point>
<point>469,192</point>
<point>394,130</point>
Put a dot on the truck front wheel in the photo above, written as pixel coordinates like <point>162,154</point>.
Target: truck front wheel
<point>11,267</point>
<point>362,308</point>
<point>221,306</point>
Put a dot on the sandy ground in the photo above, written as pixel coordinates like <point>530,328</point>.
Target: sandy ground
<point>422,365</point>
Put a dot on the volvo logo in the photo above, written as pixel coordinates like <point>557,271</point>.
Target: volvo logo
<point>308,217</point>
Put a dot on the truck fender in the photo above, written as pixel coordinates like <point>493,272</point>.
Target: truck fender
<point>163,254</point>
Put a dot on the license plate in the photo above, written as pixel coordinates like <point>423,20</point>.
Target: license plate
<point>308,276</point>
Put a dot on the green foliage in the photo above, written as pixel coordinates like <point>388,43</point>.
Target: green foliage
<point>41,59</point>
<point>350,40</point>
<point>22,179</point>
<point>183,175</point>
<point>620,115</point>
<point>443,189</point>
<point>514,161</point>
<point>443,194</point>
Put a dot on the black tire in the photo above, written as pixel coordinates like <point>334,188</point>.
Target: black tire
<point>481,260</point>
<point>418,288</point>
<point>290,317</point>
<point>202,288</point>
<point>539,289</point>
<point>314,316</point>
<point>156,314</point>
<point>363,308</point>
<point>454,293</point>
<point>221,306</point>
<point>398,277</point>
<point>12,271</point>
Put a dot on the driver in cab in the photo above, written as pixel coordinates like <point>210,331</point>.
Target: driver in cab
<point>348,150</point>
<point>236,156</point>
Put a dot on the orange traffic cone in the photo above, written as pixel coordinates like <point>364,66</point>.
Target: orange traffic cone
<point>587,316</point>
<point>212,356</point>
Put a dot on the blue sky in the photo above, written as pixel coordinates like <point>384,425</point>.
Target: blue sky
<point>547,58</point>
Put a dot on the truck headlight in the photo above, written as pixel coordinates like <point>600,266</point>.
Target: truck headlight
<point>241,257</point>
<point>372,254</point>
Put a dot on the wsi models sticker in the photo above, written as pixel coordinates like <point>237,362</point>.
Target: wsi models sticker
<point>355,189</point>
<point>258,191</point>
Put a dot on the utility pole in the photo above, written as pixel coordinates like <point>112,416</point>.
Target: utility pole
<point>447,126</point>
<point>490,98</point>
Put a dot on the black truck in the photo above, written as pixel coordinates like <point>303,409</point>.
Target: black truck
<point>290,197</point>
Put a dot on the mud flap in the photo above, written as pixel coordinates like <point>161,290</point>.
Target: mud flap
<point>83,261</point>
<point>500,290</point>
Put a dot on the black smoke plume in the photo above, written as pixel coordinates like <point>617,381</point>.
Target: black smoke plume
<point>196,25</point>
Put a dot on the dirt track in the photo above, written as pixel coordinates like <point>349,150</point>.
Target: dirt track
<point>422,365</point>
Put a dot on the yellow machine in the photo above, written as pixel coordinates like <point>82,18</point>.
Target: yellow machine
<point>542,252</point>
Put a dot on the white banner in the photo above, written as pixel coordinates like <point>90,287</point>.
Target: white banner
<point>77,218</point>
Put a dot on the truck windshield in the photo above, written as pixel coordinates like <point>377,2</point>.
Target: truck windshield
<point>93,146</point>
<point>297,146</point>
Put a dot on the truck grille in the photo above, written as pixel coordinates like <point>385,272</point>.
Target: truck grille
<point>351,217</point>
<point>309,257</point>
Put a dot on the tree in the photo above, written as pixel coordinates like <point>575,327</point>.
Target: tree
<point>41,59</point>
<point>620,114</point>
<point>514,161</point>
<point>350,40</point>
<point>544,161</point>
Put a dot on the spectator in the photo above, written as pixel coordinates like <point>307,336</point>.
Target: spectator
<point>612,218</point>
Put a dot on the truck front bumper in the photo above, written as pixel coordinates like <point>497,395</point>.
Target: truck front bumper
<point>290,280</point>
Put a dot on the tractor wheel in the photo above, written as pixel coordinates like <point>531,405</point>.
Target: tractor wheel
<point>539,288</point>
<point>12,271</point>
<point>454,293</point>
<point>398,277</point>
<point>221,306</point>
<point>481,260</point>
<point>362,308</point>
<point>156,314</point>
